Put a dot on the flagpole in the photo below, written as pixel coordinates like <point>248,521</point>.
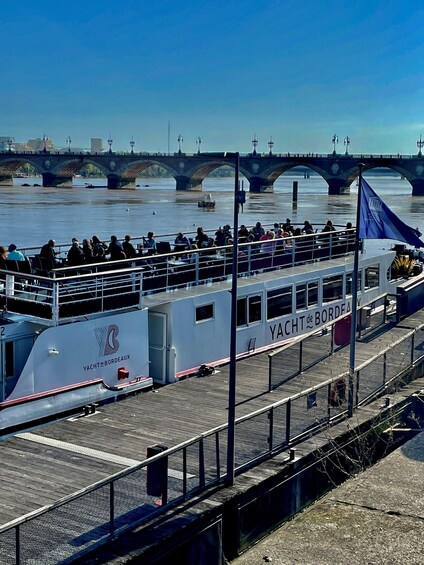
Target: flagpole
<point>354,316</point>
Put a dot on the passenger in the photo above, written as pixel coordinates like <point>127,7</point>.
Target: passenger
<point>181,243</point>
<point>87,249</point>
<point>150,243</point>
<point>48,251</point>
<point>243,234</point>
<point>115,248</point>
<point>258,231</point>
<point>227,232</point>
<point>3,253</point>
<point>97,245</point>
<point>328,227</point>
<point>287,226</point>
<point>128,248</point>
<point>75,254</point>
<point>269,244</point>
<point>307,227</point>
<point>14,254</point>
<point>220,238</point>
<point>201,237</point>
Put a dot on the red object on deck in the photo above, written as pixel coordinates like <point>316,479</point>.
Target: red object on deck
<point>123,373</point>
<point>342,331</point>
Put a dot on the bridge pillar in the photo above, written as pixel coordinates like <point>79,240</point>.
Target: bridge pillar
<point>115,181</point>
<point>50,179</point>
<point>260,184</point>
<point>188,183</point>
<point>417,187</point>
<point>338,186</point>
<point>6,180</point>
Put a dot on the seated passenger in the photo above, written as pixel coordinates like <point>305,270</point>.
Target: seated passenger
<point>114,249</point>
<point>128,248</point>
<point>14,254</point>
<point>75,254</point>
<point>181,243</point>
<point>150,243</point>
<point>97,245</point>
<point>48,251</point>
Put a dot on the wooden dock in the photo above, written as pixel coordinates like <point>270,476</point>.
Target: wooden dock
<point>42,465</point>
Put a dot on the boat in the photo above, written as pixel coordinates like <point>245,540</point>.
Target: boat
<point>73,337</point>
<point>206,202</point>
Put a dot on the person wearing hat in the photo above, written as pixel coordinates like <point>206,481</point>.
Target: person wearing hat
<point>14,254</point>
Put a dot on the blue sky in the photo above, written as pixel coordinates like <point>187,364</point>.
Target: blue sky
<point>296,71</point>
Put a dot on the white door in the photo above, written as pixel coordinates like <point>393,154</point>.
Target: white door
<point>158,347</point>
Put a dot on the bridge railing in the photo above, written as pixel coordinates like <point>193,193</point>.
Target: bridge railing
<point>85,520</point>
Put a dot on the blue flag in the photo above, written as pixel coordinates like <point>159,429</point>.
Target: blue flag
<point>377,221</point>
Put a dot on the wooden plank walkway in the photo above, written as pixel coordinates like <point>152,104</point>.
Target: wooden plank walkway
<point>39,467</point>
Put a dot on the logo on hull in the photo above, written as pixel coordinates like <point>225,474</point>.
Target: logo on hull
<point>107,339</point>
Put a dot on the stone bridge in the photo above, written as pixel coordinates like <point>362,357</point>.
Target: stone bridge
<point>189,170</point>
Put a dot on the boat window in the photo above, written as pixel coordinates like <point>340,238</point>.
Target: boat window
<point>372,275</point>
<point>349,279</point>
<point>332,288</point>
<point>279,302</point>
<point>249,310</point>
<point>255,308</point>
<point>306,295</point>
<point>205,312</point>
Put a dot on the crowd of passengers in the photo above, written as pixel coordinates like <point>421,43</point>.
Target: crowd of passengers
<point>95,250</point>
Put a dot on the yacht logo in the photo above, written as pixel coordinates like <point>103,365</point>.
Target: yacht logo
<point>107,339</point>
<point>375,208</point>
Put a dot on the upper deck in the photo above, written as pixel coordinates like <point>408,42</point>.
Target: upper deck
<point>62,294</point>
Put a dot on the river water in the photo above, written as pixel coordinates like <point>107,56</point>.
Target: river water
<point>29,216</point>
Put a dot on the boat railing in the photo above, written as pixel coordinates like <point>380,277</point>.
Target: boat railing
<point>134,496</point>
<point>69,292</point>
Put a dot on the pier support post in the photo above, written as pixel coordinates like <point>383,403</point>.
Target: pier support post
<point>260,185</point>
<point>417,187</point>
<point>338,186</point>
<point>50,179</point>
<point>188,183</point>
<point>6,180</point>
<point>116,181</point>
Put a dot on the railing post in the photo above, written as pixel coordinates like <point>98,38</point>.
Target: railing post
<point>384,368</point>
<point>271,430</point>
<point>218,456</point>
<point>288,419</point>
<point>55,302</point>
<point>412,347</point>
<point>184,472</point>
<point>269,373</point>
<point>300,356</point>
<point>112,509</point>
<point>196,266</point>
<point>18,544</point>
<point>201,464</point>
<point>140,294</point>
<point>10,285</point>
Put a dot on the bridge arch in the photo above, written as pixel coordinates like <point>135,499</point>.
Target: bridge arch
<point>10,165</point>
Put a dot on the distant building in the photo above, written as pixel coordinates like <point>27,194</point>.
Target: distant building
<point>96,145</point>
<point>40,144</point>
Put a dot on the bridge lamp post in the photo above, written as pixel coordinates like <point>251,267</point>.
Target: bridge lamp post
<point>270,145</point>
<point>346,141</point>
<point>68,142</point>
<point>45,138</point>
<point>334,140</point>
<point>132,143</point>
<point>254,143</point>
<point>110,142</point>
<point>180,142</point>
<point>420,145</point>
<point>198,143</point>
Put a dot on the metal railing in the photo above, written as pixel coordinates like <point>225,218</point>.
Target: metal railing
<point>98,513</point>
<point>67,292</point>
